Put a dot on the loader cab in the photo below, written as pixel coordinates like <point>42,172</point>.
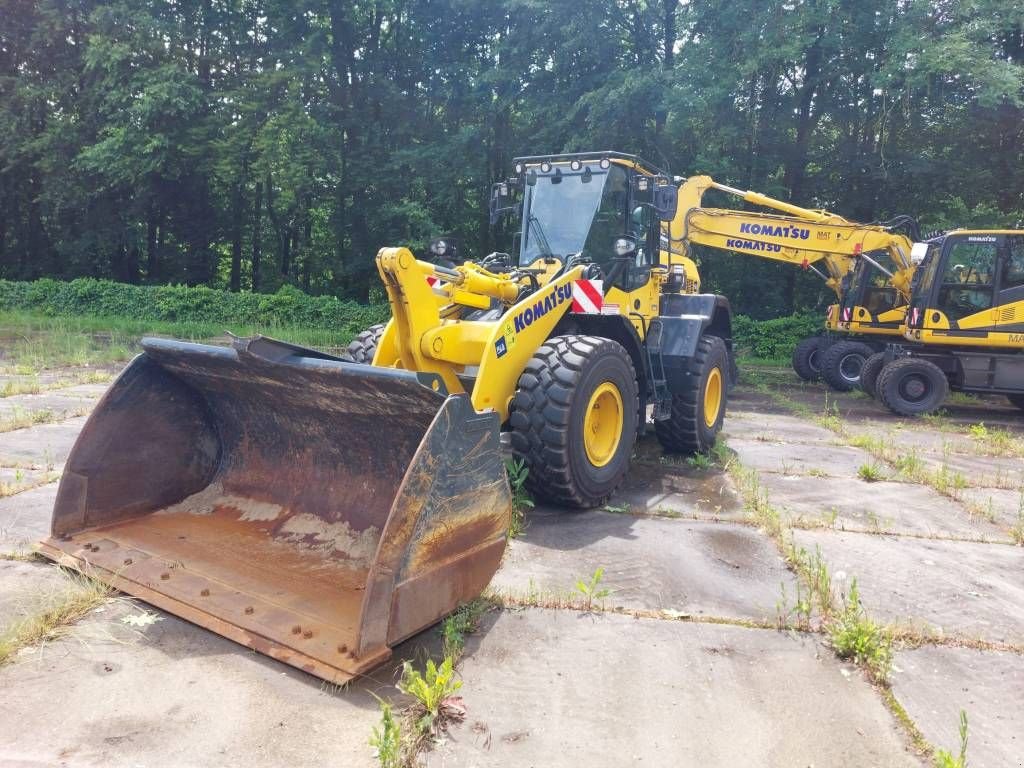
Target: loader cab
<point>966,277</point>
<point>595,210</point>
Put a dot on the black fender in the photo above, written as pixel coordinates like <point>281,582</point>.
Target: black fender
<point>683,320</point>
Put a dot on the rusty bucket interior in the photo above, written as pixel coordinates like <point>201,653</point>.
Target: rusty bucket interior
<point>315,510</point>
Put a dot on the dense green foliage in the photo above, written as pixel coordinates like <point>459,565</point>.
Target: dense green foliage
<point>209,308</point>
<point>247,144</point>
<point>774,339</point>
<point>187,304</point>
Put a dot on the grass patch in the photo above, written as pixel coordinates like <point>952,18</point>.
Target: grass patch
<point>465,620</point>
<point>21,387</point>
<point>944,759</point>
<point>37,342</point>
<point>854,636</point>
<point>995,441</point>
<point>870,473</point>
<point>58,611</point>
<point>517,472</point>
<point>21,418</point>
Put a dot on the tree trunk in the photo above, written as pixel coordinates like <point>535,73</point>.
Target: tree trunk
<point>257,235</point>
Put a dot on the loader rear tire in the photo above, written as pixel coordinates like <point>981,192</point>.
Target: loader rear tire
<point>698,412</point>
<point>869,374</point>
<point>807,357</point>
<point>574,420</point>
<point>364,346</point>
<point>841,364</point>
<point>912,387</point>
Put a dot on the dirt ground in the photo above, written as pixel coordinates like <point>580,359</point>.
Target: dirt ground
<point>712,646</point>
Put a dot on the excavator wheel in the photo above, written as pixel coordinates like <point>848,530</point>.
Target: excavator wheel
<point>698,413</point>
<point>363,347</point>
<point>1017,400</point>
<point>807,357</point>
<point>869,373</point>
<point>911,386</point>
<point>574,420</point>
<point>841,364</point>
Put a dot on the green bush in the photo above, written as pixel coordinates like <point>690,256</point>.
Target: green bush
<point>773,339</point>
<point>185,304</point>
<point>87,297</point>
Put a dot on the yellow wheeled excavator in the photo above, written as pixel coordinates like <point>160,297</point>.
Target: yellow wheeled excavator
<point>868,266</point>
<point>320,510</point>
<point>965,324</point>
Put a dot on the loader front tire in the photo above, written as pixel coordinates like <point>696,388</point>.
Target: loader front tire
<point>698,412</point>
<point>574,420</point>
<point>364,346</point>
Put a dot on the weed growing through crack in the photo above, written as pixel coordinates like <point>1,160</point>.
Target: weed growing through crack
<point>945,759</point>
<point>856,637</point>
<point>521,501</point>
<point>592,589</point>
<point>432,690</point>
<point>813,570</point>
<point>387,739</point>
<point>464,621</point>
<point>800,609</point>
<point>700,461</point>
<point>1017,529</point>
<point>870,473</point>
<point>995,442</point>
<point>58,611</point>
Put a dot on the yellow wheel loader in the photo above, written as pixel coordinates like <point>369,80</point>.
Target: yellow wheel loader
<point>321,509</point>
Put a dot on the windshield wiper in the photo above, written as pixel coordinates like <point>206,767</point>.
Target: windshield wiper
<point>541,238</point>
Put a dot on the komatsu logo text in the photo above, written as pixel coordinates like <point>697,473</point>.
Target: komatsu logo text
<point>752,245</point>
<point>541,307</point>
<point>773,230</point>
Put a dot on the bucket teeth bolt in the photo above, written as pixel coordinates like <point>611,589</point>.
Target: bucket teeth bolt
<point>165,576</point>
<point>296,630</point>
<point>127,561</point>
<point>342,648</point>
<point>248,609</point>
<point>205,593</point>
<point>307,634</point>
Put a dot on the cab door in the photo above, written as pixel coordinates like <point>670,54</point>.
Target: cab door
<point>967,284</point>
<point>1010,298</point>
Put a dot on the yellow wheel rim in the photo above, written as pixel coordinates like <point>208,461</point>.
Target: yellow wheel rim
<point>602,424</point>
<point>713,397</point>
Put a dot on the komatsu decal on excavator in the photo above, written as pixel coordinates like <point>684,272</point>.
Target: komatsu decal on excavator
<point>797,233</point>
<point>753,245</point>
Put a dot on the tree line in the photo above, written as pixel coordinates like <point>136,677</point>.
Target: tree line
<point>249,144</point>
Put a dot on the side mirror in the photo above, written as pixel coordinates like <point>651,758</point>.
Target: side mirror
<point>665,201</point>
<point>500,202</point>
<point>624,245</point>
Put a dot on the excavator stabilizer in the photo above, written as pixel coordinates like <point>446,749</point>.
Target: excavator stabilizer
<point>316,510</point>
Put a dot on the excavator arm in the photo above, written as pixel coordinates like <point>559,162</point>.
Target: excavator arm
<point>801,236</point>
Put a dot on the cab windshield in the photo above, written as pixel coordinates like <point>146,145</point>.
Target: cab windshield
<point>869,286</point>
<point>574,212</point>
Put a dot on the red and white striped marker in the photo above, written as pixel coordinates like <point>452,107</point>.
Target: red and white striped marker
<point>587,297</point>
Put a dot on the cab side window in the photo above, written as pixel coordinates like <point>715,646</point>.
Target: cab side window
<point>968,279</point>
<point>1013,267</point>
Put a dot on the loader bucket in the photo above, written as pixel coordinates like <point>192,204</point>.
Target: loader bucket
<point>315,510</point>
